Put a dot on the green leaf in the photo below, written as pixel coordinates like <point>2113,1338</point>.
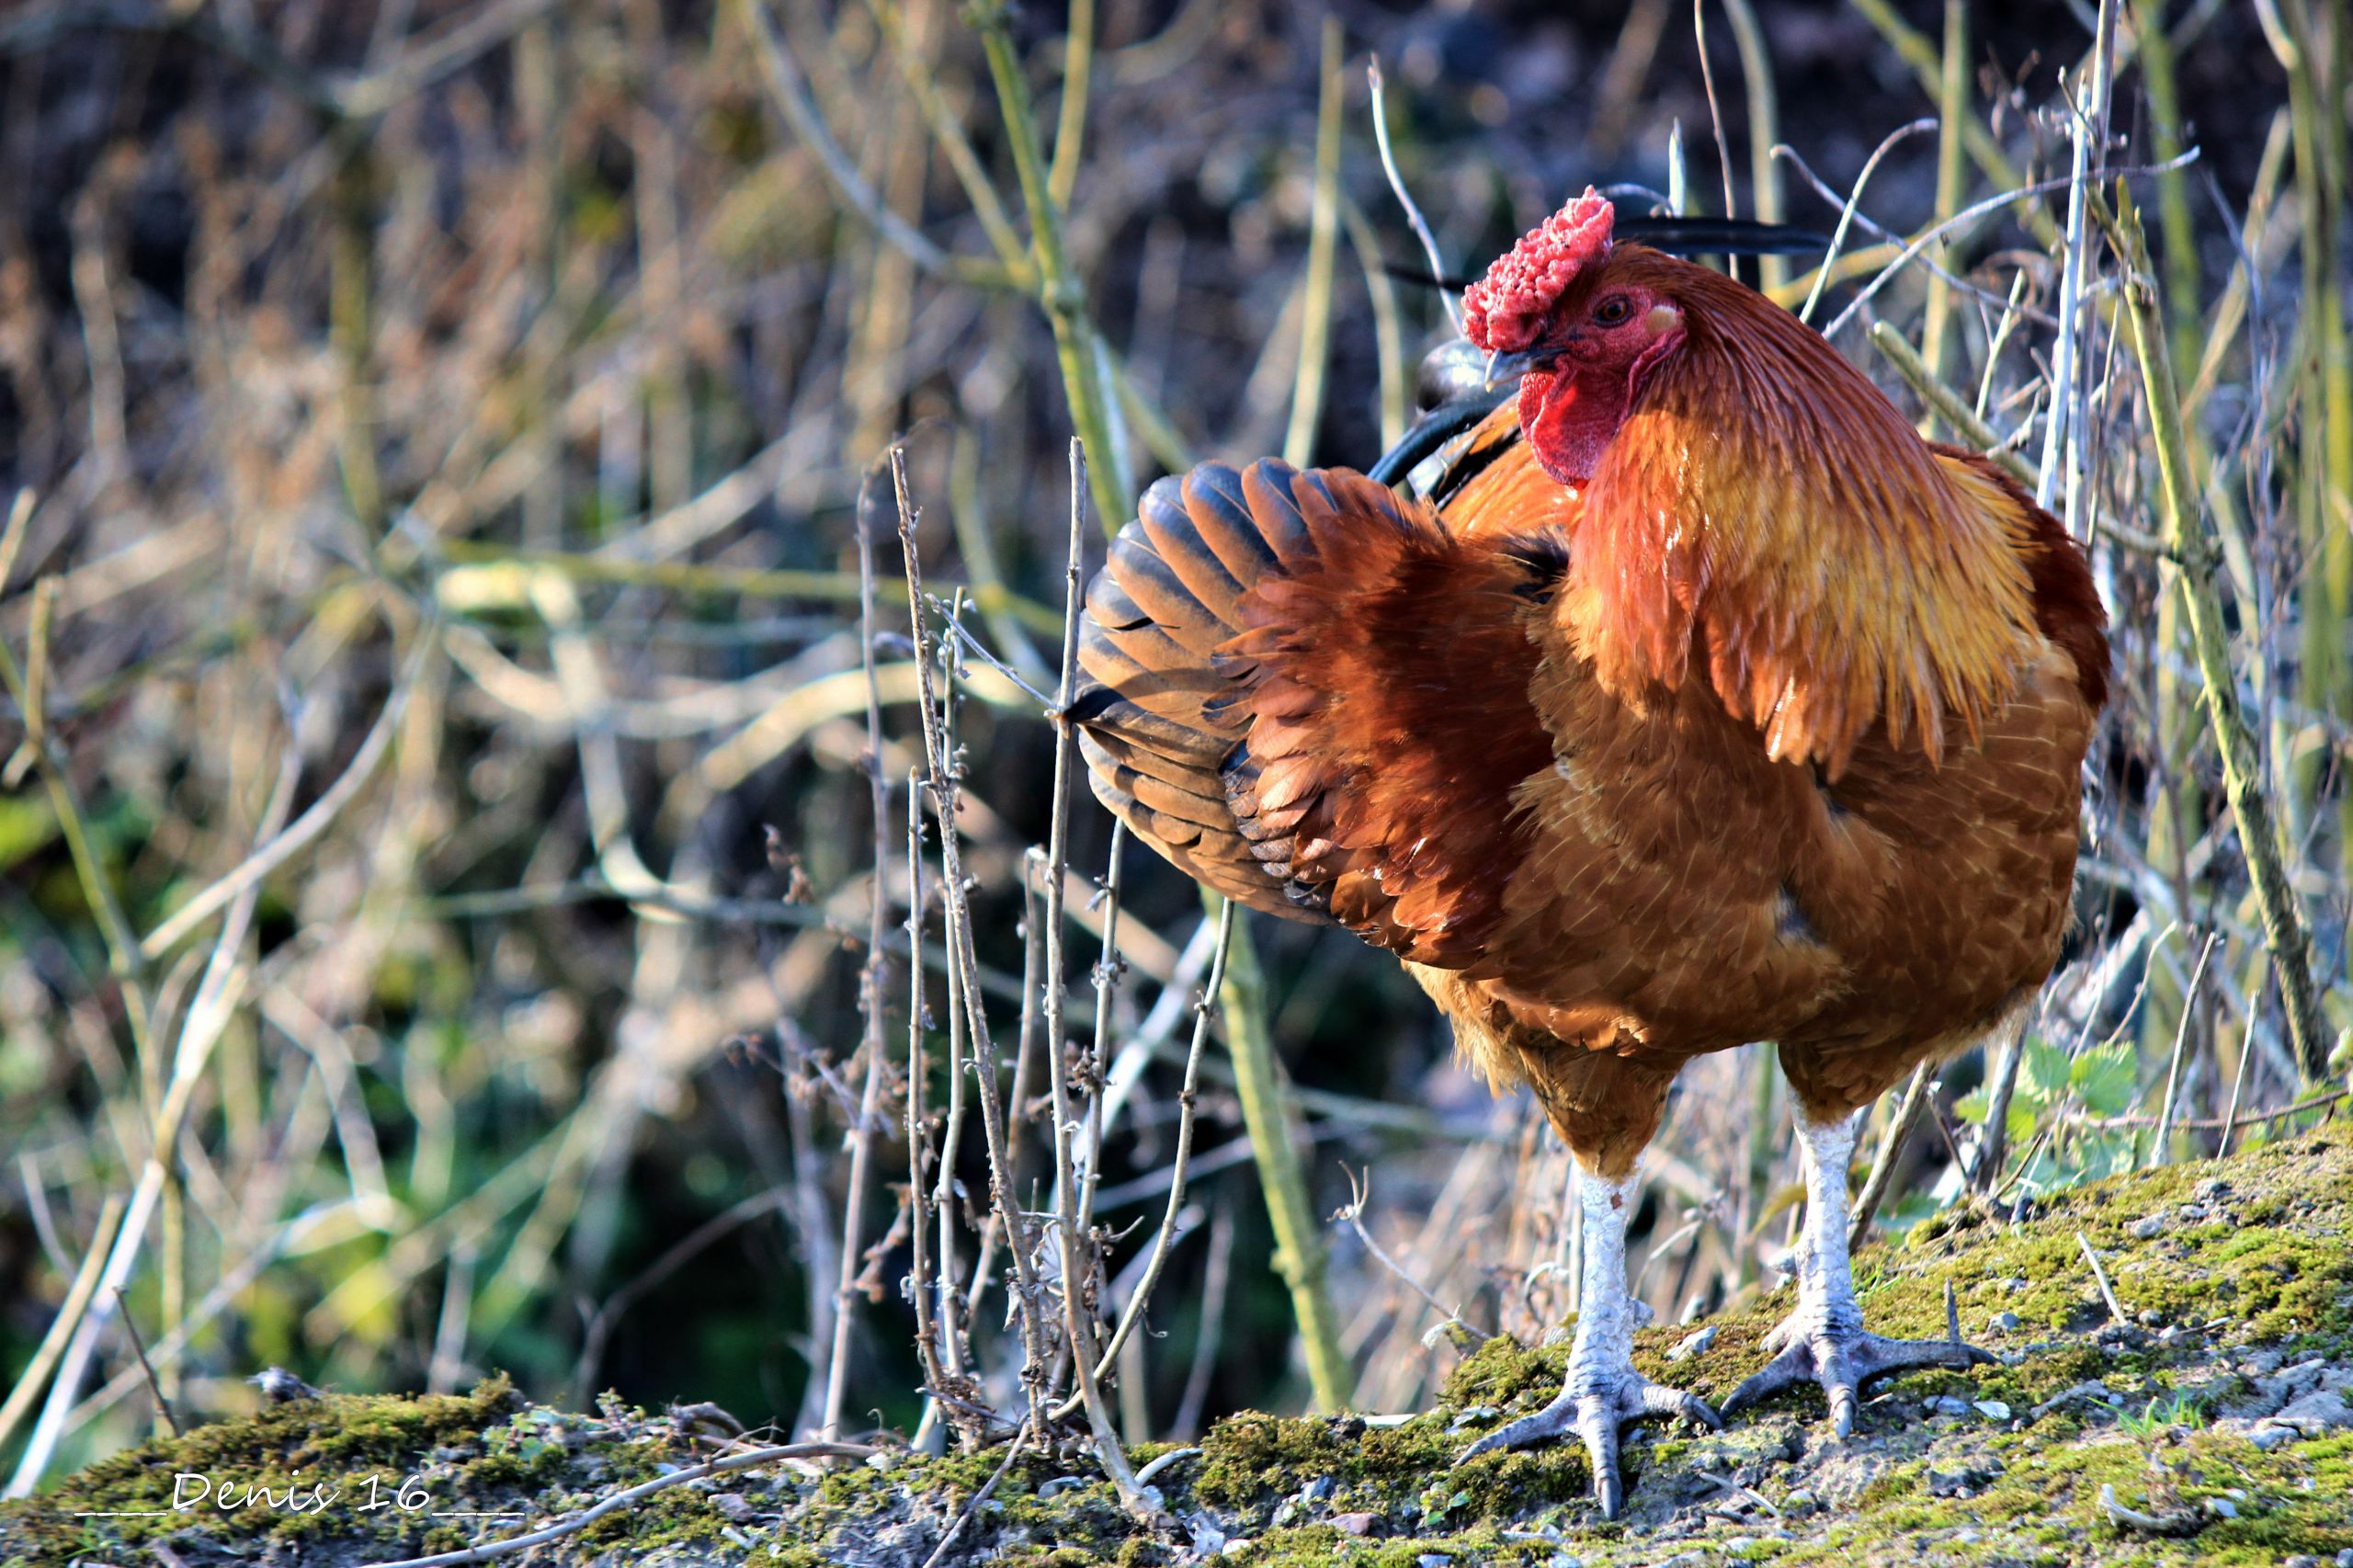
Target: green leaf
<point>2108,1079</point>
<point>2047,1070</point>
<point>2023,1117</point>
<point>1974,1107</point>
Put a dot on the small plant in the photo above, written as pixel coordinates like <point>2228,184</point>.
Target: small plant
<point>1441,1499</point>
<point>2175,1407</point>
<point>2099,1082</point>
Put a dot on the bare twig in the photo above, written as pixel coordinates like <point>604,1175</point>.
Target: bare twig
<point>1108,966</point>
<point>2108,1293</point>
<point>2180,1034</point>
<point>1405,198</point>
<point>1882,1172</point>
<point>1036,1336</point>
<point>1012,1452</point>
<point>1186,1100</point>
<point>1360,1193</point>
<point>147,1367</point>
<point>863,1135</point>
<point>1847,208</point>
<point>1079,1258</point>
<point>919,1195</point>
<point>954,1319</point>
<point>1970,214</point>
<point>2087,122</point>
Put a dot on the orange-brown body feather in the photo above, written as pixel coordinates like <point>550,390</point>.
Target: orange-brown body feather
<point>1772,730</point>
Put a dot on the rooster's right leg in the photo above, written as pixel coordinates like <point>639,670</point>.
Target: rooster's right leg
<point>1603,1390</point>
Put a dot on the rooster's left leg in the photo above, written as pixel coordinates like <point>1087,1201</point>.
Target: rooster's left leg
<point>1824,1341</point>
<point>1603,1390</point>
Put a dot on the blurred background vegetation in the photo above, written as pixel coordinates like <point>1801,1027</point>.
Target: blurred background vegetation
<point>435,812</point>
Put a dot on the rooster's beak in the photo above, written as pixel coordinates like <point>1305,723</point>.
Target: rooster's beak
<point>1504,371</point>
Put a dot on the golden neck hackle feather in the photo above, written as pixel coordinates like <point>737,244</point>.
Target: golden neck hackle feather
<point>1764,513</point>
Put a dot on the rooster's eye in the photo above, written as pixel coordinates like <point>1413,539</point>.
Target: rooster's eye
<point>1613,311</point>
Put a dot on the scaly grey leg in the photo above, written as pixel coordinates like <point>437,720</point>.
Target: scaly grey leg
<point>1603,1391</point>
<point>1824,1341</point>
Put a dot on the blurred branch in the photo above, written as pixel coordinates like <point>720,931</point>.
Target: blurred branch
<point>1315,334</point>
<point>284,846</point>
<point>1882,1171</point>
<point>499,575</point>
<point>1070,130</point>
<point>456,46</point>
<point>1060,292</point>
<point>1927,63</point>
<point>359,98</point>
<point>1953,106</point>
<point>39,28</point>
<point>1763,128</point>
<point>791,93</point>
<point>1299,1255</point>
<point>2193,568</point>
<point>51,1349</point>
<point>1395,400</point>
<point>206,1019</point>
<point>924,86</point>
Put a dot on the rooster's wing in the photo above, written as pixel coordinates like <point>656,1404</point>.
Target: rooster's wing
<point>1312,694</point>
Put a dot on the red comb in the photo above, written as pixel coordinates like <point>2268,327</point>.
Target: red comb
<point>1502,312</point>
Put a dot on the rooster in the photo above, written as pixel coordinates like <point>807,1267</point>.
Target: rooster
<point>1695,701</point>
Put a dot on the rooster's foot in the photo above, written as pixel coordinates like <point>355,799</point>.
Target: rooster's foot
<point>1592,1407</point>
<point>1842,1363</point>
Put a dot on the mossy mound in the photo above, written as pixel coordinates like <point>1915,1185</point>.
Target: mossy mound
<point>2213,1424</point>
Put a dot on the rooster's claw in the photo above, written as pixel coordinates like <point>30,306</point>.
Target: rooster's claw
<point>1594,1413</point>
<point>1842,1364</point>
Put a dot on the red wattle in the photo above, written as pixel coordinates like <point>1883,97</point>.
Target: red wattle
<point>1570,420</point>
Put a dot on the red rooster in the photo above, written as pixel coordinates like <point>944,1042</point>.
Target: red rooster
<point>1699,701</point>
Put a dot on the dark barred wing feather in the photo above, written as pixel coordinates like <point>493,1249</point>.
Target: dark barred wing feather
<point>1310,695</point>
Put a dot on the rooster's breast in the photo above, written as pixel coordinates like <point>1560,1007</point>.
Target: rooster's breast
<point>1680,893</point>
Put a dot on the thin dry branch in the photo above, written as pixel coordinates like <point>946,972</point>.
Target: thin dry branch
<point>1037,1337</point>
<point>1080,1260</point>
<point>867,1130</point>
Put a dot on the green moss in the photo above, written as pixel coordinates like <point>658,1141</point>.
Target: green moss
<point>335,1455</point>
<point>2268,1258</point>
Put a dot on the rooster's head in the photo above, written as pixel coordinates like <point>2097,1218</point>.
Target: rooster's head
<point>1585,335</point>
